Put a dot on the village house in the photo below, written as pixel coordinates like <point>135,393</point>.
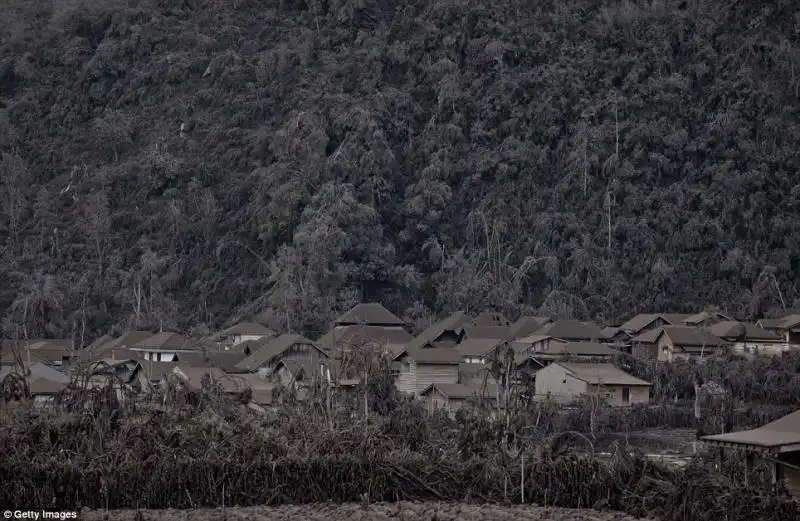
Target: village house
<point>420,368</point>
<point>564,382</point>
<point>366,327</point>
<point>445,333</point>
<point>490,319</point>
<point>43,381</point>
<point>244,331</point>
<point>574,350</point>
<point>283,347</point>
<point>164,347</point>
<point>45,351</point>
<point>777,442</point>
<point>788,327</point>
<point>126,377</point>
<point>748,339</point>
<point>453,397</point>
<point>572,331</point>
<point>705,319</point>
<point>683,343</point>
<point>369,314</point>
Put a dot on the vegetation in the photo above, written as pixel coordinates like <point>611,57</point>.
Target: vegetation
<point>98,448</point>
<point>165,162</point>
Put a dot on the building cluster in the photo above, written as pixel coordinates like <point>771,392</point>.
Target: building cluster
<point>447,365</point>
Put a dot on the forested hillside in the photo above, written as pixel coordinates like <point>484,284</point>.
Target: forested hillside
<point>179,162</point>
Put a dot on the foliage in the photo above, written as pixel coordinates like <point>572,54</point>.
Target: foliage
<point>167,162</point>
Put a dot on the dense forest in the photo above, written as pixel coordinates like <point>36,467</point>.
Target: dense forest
<point>182,163</point>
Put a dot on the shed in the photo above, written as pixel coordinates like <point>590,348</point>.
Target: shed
<point>453,397</point>
<point>777,442</point>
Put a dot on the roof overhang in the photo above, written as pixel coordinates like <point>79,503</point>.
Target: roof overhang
<point>751,447</point>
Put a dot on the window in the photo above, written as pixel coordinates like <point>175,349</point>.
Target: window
<point>626,395</point>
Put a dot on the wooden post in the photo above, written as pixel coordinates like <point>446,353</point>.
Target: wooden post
<point>748,467</point>
<point>721,458</point>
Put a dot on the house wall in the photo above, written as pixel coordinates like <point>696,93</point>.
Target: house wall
<point>750,347</point>
<point>553,381</point>
<point>427,374</point>
<point>405,381</point>
<point>238,339</point>
<point>665,351</point>
<point>638,395</point>
<point>645,351</point>
<point>544,345</point>
<point>159,356</point>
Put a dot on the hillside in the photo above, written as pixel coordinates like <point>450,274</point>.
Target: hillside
<point>174,162</point>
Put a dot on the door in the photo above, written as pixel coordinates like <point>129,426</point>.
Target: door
<point>626,396</point>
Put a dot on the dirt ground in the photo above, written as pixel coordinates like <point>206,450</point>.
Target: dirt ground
<point>357,512</point>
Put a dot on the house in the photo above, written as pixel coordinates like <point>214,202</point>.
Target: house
<point>574,350</point>
<point>297,371</point>
<point>453,397</point>
<point>527,325</point>
<point>684,343</point>
<point>369,314</point>
<point>477,350</point>
<point>122,375</point>
<point>156,371</point>
<point>564,382</point>
<point>788,328</point>
<point>244,331</point>
<point>365,338</point>
<point>778,442</point>
<point>705,319</point>
<point>280,348</point>
<point>490,319</point>
<point>164,347</point>
<point>44,382</point>
<point>644,322</point>
<point>445,333</point>
<point>420,368</point>
<point>748,339</point>
<point>572,331</point>
<point>55,352</point>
